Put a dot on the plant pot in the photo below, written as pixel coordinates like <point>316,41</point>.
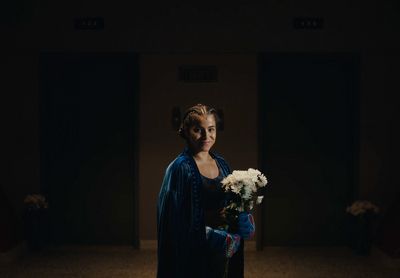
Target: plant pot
<point>35,222</point>
<point>361,234</point>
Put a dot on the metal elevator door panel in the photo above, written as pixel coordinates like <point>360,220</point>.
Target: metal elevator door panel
<point>88,121</point>
<point>308,131</point>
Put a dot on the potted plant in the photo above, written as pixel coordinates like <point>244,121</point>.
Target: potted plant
<point>362,213</point>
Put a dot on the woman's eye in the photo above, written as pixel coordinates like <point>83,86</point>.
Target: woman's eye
<point>211,129</point>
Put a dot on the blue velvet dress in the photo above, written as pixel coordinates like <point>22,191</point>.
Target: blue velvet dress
<point>187,203</point>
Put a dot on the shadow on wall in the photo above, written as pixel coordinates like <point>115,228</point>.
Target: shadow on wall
<point>7,218</point>
<point>388,236</point>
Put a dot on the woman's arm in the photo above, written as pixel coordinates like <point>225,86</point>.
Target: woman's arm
<point>175,242</point>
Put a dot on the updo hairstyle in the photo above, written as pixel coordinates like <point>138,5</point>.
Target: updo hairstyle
<point>192,115</point>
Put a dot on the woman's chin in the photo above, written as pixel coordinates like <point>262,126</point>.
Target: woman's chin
<point>202,149</point>
<point>206,148</point>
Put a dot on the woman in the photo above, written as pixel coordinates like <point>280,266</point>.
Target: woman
<point>190,244</point>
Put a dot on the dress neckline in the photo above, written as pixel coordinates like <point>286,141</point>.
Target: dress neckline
<point>211,178</point>
<point>219,172</point>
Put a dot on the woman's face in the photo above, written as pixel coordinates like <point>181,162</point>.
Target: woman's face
<point>201,136</point>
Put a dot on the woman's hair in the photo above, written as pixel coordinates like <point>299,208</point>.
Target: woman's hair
<point>191,117</point>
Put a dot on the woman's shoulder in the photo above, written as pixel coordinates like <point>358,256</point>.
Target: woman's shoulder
<point>180,163</point>
<point>177,174</point>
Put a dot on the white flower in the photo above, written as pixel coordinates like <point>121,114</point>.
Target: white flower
<point>259,200</point>
<point>236,188</point>
<point>263,180</point>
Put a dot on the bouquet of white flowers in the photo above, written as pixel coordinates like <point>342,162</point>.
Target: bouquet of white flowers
<point>243,187</point>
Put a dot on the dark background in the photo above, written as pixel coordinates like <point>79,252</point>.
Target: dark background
<point>86,114</point>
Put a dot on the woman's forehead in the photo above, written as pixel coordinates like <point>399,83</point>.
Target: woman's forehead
<point>204,120</point>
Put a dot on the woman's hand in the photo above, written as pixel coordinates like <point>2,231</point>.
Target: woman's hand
<point>246,225</point>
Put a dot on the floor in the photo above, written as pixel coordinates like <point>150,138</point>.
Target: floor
<point>117,261</point>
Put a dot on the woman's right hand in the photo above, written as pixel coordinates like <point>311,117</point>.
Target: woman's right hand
<point>230,242</point>
<point>246,225</point>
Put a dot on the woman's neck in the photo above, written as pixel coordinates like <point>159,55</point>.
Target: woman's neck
<point>202,156</point>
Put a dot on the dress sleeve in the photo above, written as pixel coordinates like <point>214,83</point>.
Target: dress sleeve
<point>214,240</point>
<point>174,223</point>
<point>222,242</point>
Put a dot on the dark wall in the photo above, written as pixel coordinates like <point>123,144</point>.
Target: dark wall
<point>367,28</point>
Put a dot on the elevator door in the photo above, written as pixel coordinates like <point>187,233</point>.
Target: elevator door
<point>308,125</point>
<point>88,156</point>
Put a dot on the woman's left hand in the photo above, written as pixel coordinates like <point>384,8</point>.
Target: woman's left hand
<point>246,225</point>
